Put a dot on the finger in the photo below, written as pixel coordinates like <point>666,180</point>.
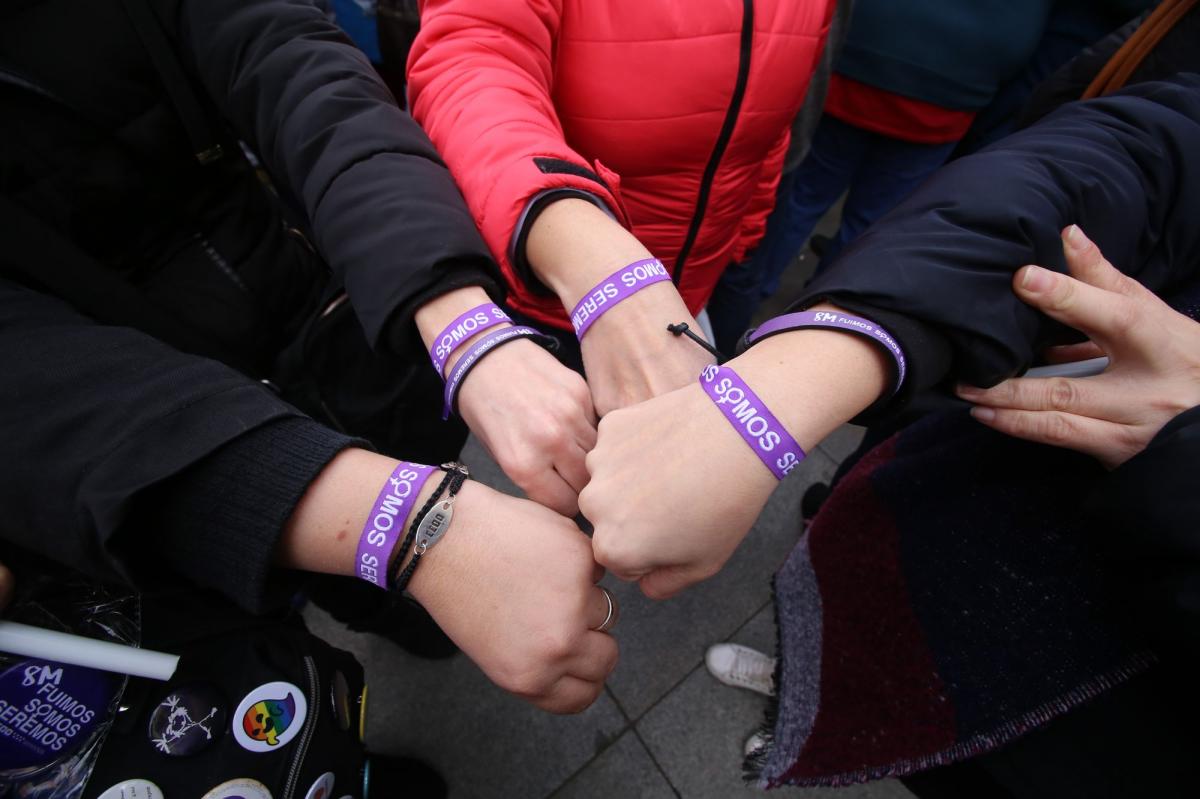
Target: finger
<point>1087,263</point>
<point>1081,396</point>
<point>666,582</point>
<point>571,467</point>
<point>1103,315</point>
<point>570,695</point>
<point>620,562</point>
<point>589,410</point>
<point>1073,353</point>
<point>600,613</point>
<point>547,487</point>
<point>1108,442</point>
<point>597,658</point>
<point>585,433</point>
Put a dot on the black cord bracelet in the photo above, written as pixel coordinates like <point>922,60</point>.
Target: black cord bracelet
<point>682,329</point>
<point>394,567</point>
<point>456,475</point>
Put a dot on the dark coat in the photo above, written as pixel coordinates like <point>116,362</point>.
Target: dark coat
<point>121,450</point>
<point>937,272</point>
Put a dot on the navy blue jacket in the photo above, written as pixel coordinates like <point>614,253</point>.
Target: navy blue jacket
<point>937,271</point>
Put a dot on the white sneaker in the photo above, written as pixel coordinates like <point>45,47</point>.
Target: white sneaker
<point>755,745</point>
<point>741,667</point>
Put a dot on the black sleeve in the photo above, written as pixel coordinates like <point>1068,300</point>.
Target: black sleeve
<point>105,427</point>
<point>384,209</point>
<point>1123,168</point>
<point>1151,511</point>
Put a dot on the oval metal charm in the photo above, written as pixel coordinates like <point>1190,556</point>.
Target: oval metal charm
<point>434,525</point>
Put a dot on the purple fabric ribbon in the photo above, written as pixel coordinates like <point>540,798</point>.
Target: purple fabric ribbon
<point>480,348</point>
<point>755,423</point>
<point>616,287</point>
<point>835,320</point>
<point>476,320</point>
<point>389,516</point>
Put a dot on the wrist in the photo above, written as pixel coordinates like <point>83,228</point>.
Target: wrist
<point>323,532</point>
<point>815,380</point>
<point>437,565</point>
<point>434,317</point>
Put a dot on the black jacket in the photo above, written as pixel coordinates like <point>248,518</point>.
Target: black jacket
<point>122,453</point>
<point>937,272</point>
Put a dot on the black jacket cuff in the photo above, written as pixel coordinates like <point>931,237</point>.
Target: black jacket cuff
<point>218,522</point>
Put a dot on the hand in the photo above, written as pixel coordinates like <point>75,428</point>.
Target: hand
<point>535,417</point>
<point>674,490</point>
<point>1153,374</point>
<point>532,414</point>
<point>513,584</point>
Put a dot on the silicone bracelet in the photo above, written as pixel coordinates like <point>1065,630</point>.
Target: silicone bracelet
<point>618,286</point>
<point>835,320</point>
<point>476,320</point>
<point>771,442</point>
<point>387,520</point>
<point>480,348</point>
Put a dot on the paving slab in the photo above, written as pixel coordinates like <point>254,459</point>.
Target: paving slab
<point>696,734</point>
<point>623,770</point>
<point>485,742</point>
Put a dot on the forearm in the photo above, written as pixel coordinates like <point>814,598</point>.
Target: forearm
<point>433,317</point>
<point>814,380</point>
<point>323,532</point>
<point>573,245</point>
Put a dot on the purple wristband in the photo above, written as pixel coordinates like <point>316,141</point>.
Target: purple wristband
<point>476,320</point>
<point>389,517</point>
<point>771,442</point>
<point>615,288</point>
<point>837,321</point>
<point>479,349</point>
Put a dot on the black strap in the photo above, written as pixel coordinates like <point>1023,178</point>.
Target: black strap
<point>36,255</point>
<point>456,475</point>
<point>203,134</point>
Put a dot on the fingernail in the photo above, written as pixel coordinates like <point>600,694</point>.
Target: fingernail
<point>1075,238</point>
<point>983,414</point>
<point>964,390</point>
<point>1036,280</point>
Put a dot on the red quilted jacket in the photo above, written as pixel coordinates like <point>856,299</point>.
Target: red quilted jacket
<point>675,113</point>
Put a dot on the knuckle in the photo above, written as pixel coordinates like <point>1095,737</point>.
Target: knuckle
<point>522,469</point>
<point>548,431</point>
<point>1126,285</point>
<point>1056,430</point>
<point>1061,394</point>
<point>523,682</point>
<point>556,646</point>
<point>586,504</point>
<point>1062,298</point>
<point>1125,318</point>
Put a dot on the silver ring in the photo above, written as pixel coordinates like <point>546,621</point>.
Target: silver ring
<point>611,618</point>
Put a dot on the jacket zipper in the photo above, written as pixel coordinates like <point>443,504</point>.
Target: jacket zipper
<point>310,726</point>
<point>731,116</point>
